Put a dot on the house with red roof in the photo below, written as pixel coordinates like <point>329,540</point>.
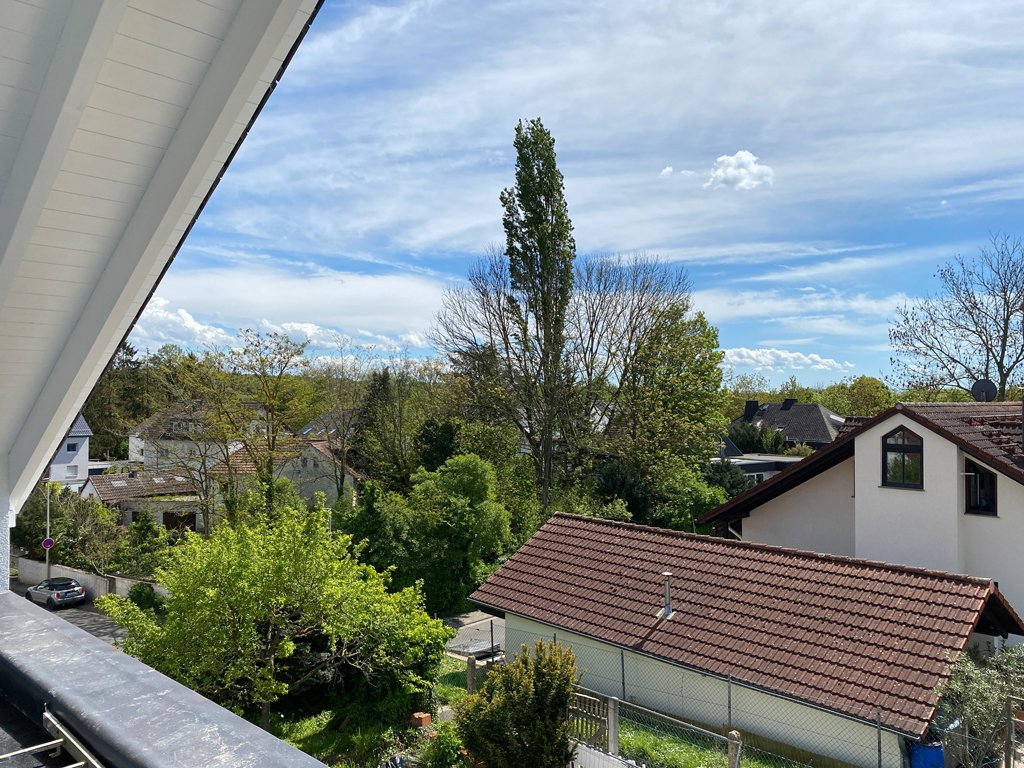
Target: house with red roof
<point>935,485</point>
<point>834,656</point>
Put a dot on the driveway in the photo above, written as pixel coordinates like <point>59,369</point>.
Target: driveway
<point>84,616</point>
<point>475,630</point>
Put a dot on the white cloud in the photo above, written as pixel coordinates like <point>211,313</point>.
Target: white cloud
<point>666,171</point>
<point>739,171</point>
<point>322,304</point>
<point>417,340</point>
<point>722,305</point>
<point>780,360</point>
<point>161,325</point>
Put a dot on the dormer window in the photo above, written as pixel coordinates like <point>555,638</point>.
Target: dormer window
<point>979,489</point>
<point>902,459</point>
<point>72,447</point>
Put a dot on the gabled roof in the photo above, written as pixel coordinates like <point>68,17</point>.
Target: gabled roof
<point>810,423</point>
<point>329,422</point>
<point>288,449</point>
<point>839,633</point>
<point>990,432</point>
<point>80,428</point>
<point>111,489</point>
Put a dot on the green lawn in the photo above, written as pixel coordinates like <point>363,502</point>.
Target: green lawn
<point>451,683</point>
<point>661,749</point>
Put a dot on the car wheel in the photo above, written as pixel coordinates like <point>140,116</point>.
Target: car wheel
<point>50,604</point>
<point>28,596</point>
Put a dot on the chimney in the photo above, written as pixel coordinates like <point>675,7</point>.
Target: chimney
<point>788,403</point>
<point>749,410</point>
<point>666,610</point>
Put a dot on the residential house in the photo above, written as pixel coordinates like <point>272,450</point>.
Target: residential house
<point>828,655</point>
<point>181,437</point>
<point>808,423</point>
<point>169,498</point>
<point>757,466</point>
<point>310,465</point>
<point>936,485</point>
<point>70,464</point>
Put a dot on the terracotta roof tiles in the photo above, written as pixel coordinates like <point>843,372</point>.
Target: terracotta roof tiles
<point>839,633</point>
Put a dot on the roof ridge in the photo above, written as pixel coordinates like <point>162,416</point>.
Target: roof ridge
<point>802,553</point>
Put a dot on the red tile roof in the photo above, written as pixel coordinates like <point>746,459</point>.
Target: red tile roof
<point>990,432</point>
<point>839,633</point>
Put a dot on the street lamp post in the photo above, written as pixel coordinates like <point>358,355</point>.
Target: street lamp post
<point>47,526</point>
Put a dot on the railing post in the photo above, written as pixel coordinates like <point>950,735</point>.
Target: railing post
<point>735,747</point>
<point>613,726</point>
<point>878,728</point>
<point>470,674</point>
<point>1008,750</point>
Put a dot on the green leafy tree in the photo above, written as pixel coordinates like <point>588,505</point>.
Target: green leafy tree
<point>975,699</point>
<point>443,534</point>
<point>540,249</point>
<point>798,449</point>
<point>729,477</point>
<point>143,547</point>
<point>261,609</point>
<point>120,400</point>
<point>520,716</point>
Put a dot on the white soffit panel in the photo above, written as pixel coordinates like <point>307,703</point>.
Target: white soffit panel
<point>116,117</point>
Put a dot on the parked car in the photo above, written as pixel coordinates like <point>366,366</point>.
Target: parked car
<point>58,592</point>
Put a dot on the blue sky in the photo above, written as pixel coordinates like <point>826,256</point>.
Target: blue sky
<point>810,163</point>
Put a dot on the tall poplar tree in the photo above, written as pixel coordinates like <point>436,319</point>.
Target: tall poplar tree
<point>540,250</point>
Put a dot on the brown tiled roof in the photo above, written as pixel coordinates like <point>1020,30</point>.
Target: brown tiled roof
<point>990,432</point>
<point>288,448</point>
<point>140,485</point>
<point>844,634</point>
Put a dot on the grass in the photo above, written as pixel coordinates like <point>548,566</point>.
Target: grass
<point>660,749</point>
<point>451,683</point>
<point>331,737</point>
<point>665,750</point>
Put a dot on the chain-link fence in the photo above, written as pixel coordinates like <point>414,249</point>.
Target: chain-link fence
<point>777,730</point>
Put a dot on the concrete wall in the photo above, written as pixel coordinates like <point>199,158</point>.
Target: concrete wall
<point>704,700</point>
<point>817,515</point>
<point>32,572</point>
<point>918,527</point>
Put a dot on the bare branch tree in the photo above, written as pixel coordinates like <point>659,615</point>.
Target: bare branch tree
<point>973,329</point>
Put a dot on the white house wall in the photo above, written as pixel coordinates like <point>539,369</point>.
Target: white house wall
<point>909,526</point>
<point>704,700</point>
<point>991,546</point>
<point>817,515</point>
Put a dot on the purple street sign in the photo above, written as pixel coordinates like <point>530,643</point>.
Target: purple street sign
<point>47,543</point>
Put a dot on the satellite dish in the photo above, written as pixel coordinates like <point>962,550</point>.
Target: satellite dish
<point>983,391</point>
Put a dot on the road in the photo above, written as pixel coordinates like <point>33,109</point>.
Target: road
<point>84,616</point>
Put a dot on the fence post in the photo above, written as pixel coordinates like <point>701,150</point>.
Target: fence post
<point>622,667</point>
<point>470,674</point>
<point>735,746</point>
<point>1008,750</point>
<point>728,689</point>
<point>613,726</point>
<point>878,728</point>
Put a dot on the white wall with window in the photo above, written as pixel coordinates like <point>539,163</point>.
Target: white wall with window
<point>907,508</point>
<point>70,464</point>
